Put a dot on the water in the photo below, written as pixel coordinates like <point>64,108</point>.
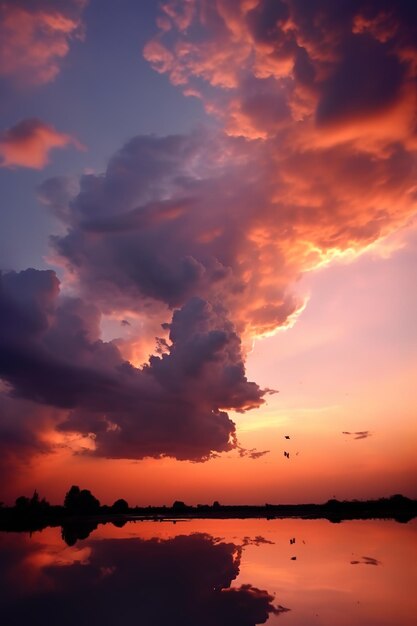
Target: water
<point>213,573</point>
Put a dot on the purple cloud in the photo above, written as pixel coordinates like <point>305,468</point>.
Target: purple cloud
<point>51,354</point>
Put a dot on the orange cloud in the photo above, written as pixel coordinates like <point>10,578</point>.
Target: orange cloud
<point>329,103</point>
<point>267,66</point>
<point>35,37</point>
<point>29,142</point>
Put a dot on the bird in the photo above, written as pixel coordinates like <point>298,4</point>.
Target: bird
<point>287,454</point>
<point>286,436</point>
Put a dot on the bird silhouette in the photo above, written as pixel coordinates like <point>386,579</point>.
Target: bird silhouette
<point>287,454</point>
<point>286,436</point>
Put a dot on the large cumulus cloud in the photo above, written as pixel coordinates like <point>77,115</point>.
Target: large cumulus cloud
<point>228,219</point>
<point>52,354</point>
<point>318,157</point>
<point>176,217</point>
<point>206,233</point>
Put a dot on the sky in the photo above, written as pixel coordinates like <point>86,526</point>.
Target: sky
<point>208,247</point>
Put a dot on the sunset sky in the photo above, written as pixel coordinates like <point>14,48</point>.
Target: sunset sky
<point>208,242</point>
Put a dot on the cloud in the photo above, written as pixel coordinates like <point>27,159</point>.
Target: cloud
<point>24,435</point>
<point>313,158</point>
<point>366,560</point>
<point>252,453</point>
<point>35,37</point>
<point>237,216</point>
<point>28,143</point>
<point>257,541</point>
<point>178,217</point>
<point>267,65</point>
<point>227,219</point>
<point>174,405</point>
<point>125,579</point>
<point>360,434</point>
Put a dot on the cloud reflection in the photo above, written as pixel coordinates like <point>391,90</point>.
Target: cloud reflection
<point>185,580</point>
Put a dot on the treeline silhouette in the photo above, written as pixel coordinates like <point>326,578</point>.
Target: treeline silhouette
<point>81,512</point>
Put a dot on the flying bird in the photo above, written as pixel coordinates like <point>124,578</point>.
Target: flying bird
<point>286,436</point>
<point>287,454</point>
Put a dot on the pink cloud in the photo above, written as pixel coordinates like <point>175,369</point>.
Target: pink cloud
<point>35,37</point>
<point>28,143</point>
<point>315,61</point>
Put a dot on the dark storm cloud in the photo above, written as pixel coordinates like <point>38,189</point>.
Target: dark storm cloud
<point>181,581</point>
<point>50,353</point>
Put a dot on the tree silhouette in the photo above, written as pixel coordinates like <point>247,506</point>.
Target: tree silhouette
<point>71,497</point>
<point>179,506</point>
<point>120,506</point>
<point>81,501</point>
<point>34,502</point>
<point>22,503</point>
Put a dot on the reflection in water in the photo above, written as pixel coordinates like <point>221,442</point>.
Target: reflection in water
<point>184,580</point>
<point>71,533</point>
<point>212,573</point>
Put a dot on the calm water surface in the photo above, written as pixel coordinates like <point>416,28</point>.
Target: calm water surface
<point>213,573</point>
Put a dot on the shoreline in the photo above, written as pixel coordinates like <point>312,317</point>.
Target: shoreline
<point>78,523</point>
